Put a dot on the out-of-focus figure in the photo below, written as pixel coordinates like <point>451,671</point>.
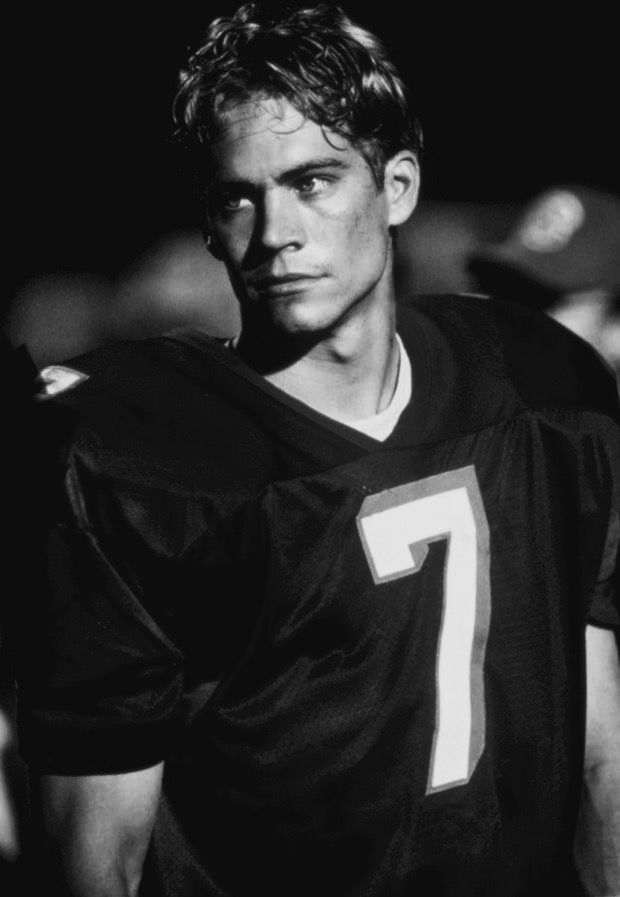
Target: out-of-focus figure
<point>19,497</point>
<point>175,283</point>
<point>562,255</point>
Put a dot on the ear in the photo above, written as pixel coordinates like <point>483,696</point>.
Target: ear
<point>401,185</point>
<point>211,242</point>
<point>214,247</point>
<point>208,234</point>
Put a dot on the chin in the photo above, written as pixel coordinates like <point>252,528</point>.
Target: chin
<point>299,318</point>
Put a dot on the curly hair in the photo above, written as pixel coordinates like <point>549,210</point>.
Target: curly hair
<point>331,70</point>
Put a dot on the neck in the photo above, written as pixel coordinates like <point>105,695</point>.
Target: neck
<point>348,373</point>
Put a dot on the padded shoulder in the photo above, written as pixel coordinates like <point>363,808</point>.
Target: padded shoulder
<point>543,363</point>
<point>550,365</point>
<point>151,411</point>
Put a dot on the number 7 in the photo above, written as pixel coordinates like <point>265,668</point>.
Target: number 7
<point>396,527</point>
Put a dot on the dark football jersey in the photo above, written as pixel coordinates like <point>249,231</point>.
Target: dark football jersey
<point>362,662</point>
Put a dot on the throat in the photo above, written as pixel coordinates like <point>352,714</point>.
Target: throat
<point>345,388</point>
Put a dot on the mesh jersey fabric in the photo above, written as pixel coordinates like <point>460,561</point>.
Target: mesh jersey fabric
<point>223,590</point>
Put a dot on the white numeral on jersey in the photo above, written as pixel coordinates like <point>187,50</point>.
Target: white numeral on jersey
<point>396,527</point>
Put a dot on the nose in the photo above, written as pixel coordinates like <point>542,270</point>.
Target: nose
<point>280,224</point>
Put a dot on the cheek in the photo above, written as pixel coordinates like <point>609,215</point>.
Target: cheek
<point>366,239</point>
<point>366,220</point>
<point>234,239</point>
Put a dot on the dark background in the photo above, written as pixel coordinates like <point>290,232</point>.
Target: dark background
<point>509,104</point>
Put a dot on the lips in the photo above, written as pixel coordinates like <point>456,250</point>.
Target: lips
<point>284,285</point>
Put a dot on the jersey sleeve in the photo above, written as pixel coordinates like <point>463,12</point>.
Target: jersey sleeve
<point>143,599</point>
<point>604,609</point>
<point>100,683</point>
<point>103,688</point>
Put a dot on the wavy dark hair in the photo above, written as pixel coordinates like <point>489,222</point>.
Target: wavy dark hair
<point>331,70</point>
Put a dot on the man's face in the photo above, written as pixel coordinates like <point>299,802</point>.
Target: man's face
<point>297,217</point>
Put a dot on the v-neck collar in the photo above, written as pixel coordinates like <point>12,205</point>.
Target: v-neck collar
<point>280,412</point>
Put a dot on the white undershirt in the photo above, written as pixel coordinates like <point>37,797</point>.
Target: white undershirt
<point>379,426</point>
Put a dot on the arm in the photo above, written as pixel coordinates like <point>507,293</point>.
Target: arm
<point>97,829</point>
<point>597,846</point>
<point>9,843</point>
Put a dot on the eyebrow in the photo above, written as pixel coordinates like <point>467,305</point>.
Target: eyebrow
<point>320,163</point>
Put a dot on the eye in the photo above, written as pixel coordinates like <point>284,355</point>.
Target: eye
<point>311,185</point>
<point>234,202</point>
<point>223,201</point>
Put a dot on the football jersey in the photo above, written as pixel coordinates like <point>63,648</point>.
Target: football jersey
<point>362,661</point>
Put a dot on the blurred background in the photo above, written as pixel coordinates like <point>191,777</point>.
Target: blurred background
<point>103,229</point>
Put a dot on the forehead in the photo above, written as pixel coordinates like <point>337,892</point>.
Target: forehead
<point>265,137</point>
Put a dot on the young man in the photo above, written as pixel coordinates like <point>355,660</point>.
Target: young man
<point>316,599</point>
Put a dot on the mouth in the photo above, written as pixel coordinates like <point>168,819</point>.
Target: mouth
<point>286,285</point>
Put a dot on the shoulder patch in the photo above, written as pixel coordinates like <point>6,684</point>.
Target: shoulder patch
<point>57,378</point>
